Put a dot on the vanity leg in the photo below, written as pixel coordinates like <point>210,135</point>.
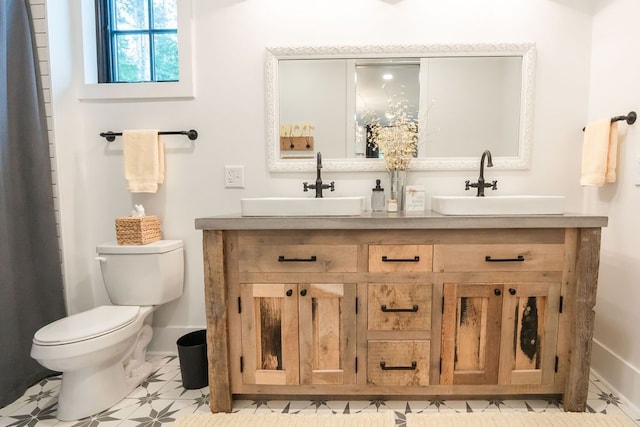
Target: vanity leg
<point>217,327</point>
<point>588,254</point>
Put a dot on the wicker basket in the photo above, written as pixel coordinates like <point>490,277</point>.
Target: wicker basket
<point>137,231</point>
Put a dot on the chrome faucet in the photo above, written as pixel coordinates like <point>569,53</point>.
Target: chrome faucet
<point>319,186</point>
<point>481,185</point>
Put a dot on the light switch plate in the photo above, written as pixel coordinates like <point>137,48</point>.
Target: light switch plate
<point>234,176</point>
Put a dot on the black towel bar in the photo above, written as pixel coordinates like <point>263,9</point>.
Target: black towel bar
<point>629,118</point>
<point>191,134</point>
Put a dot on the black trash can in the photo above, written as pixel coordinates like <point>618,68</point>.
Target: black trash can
<point>192,353</point>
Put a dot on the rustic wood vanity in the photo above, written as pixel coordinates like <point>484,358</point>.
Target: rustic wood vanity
<point>400,306</point>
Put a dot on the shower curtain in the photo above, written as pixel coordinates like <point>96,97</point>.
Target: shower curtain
<point>31,289</point>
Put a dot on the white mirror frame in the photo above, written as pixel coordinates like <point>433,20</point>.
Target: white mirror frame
<point>274,54</point>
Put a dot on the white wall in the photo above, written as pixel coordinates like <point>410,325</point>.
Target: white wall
<point>228,111</point>
<point>615,67</point>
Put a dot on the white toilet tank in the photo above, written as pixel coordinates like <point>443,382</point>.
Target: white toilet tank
<point>150,274</point>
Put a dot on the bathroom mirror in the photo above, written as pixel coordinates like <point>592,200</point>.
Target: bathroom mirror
<point>465,98</point>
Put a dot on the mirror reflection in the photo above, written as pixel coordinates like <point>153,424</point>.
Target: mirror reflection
<point>464,100</point>
<point>379,83</point>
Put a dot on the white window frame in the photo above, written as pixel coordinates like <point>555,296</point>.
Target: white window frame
<point>183,88</point>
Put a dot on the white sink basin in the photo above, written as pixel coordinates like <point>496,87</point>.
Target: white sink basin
<point>498,205</point>
<point>302,206</point>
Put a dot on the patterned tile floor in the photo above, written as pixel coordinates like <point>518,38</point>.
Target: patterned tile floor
<point>161,399</point>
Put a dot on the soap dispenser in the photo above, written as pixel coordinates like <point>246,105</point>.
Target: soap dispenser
<point>377,197</point>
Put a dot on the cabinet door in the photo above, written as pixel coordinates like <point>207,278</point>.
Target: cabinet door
<point>471,319</point>
<point>529,333</point>
<point>269,333</point>
<point>327,333</point>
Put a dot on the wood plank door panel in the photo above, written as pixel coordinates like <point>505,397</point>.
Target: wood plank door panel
<point>327,333</point>
<point>529,333</point>
<point>269,319</point>
<point>471,333</point>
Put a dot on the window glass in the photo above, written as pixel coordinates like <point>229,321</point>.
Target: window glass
<point>132,62</point>
<point>165,53</point>
<point>140,41</point>
<point>131,15</point>
<point>165,14</point>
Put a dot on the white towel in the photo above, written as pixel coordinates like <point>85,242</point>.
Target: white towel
<point>599,153</point>
<point>143,160</point>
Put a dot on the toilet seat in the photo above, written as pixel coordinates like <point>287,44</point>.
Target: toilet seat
<point>86,325</point>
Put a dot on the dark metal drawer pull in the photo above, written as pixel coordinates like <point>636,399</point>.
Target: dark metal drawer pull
<point>414,259</point>
<point>413,309</point>
<point>384,367</point>
<point>282,258</point>
<point>519,259</point>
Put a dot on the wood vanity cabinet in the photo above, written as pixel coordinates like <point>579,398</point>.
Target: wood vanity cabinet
<point>295,328</point>
<point>501,332</point>
<point>492,335</point>
<point>395,332</point>
<point>297,333</point>
<point>342,308</point>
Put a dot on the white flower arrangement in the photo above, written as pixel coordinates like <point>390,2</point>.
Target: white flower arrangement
<point>397,140</point>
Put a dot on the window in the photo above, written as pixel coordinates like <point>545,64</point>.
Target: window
<point>137,41</point>
<point>98,88</point>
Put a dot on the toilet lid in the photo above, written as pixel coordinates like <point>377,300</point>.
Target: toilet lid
<point>86,325</point>
<point>157,247</point>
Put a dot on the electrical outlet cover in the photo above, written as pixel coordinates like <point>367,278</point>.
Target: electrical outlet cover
<point>234,176</point>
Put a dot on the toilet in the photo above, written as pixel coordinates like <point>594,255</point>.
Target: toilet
<point>102,352</point>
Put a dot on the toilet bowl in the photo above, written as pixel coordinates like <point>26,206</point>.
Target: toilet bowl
<point>95,374</point>
<point>101,352</point>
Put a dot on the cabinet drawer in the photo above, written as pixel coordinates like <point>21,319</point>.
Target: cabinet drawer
<point>505,257</point>
<point>395,258</point>
<point>399,307</point>
<point>298,258</point>
<point>403,363</point>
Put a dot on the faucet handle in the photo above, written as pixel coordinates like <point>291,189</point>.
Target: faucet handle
<point>494,185</point>
<point>467,185</point>
<point>305,186</point>
<point>332,186</point>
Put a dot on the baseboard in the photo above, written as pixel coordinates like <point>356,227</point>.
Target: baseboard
<point>617,374</point>
<point>164,339</point>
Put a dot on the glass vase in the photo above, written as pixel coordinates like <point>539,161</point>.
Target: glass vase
<point>398,179</point>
